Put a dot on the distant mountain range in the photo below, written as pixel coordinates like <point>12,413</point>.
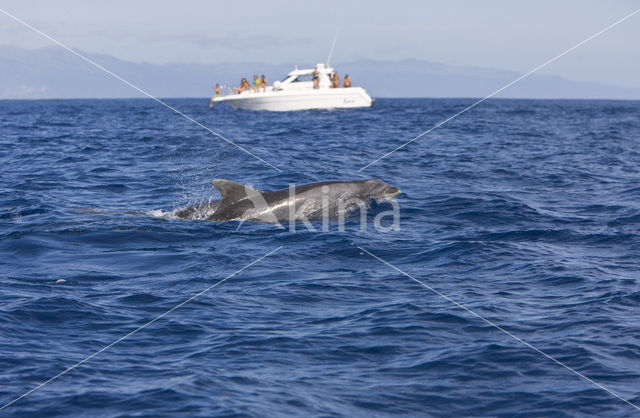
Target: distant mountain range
<point>53,72</point>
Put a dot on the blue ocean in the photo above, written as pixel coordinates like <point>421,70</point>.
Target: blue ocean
<point>509,288</point>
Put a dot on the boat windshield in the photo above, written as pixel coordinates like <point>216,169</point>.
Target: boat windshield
<point>304,77</point>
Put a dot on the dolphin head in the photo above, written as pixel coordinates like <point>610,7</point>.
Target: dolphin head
<point>378,189</point>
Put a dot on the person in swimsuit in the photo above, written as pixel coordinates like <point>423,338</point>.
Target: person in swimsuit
<point>243,86</point>
<point>256,83</point>
<point>263,83</point>
<point>316,77</point>
<point>335,81</point>
<point>217,90</point>
<point>346,83</point>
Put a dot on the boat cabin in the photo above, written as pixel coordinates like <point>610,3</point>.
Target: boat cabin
<point>303,79</point>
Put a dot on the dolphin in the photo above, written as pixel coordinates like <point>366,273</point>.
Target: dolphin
<point>244,203</point>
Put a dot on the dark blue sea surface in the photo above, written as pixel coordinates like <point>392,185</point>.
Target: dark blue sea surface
<point>526,212</point>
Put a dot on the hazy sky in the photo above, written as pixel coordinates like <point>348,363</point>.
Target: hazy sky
<point>506,34</point>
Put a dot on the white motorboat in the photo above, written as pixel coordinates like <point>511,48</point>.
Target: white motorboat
<point>297,92</point>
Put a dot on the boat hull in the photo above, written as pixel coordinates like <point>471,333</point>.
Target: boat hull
<point>282,101</point>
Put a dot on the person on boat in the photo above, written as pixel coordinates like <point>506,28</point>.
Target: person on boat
<point>217,90</point>
<point>244,85</point>
<point>346,83</point>
<point>316,78</point>
<point>263,83</point>
<point>335,81</point>
<point>256,83</point>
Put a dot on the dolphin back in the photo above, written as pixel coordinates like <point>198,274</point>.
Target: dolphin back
<point>232,191</point>
<point>241,202</point>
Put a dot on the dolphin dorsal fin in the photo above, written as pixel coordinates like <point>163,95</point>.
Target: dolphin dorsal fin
<point>231,190</point>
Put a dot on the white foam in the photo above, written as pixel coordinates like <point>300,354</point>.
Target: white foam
<point>159,213</point>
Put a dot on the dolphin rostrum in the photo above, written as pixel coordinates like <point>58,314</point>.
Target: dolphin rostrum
<point>244,203</point>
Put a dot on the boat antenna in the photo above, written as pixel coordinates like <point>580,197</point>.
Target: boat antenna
<point>333,45</point>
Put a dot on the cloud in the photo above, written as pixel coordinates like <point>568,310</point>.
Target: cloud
<point>210,40</point>
<point>11,26</point>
